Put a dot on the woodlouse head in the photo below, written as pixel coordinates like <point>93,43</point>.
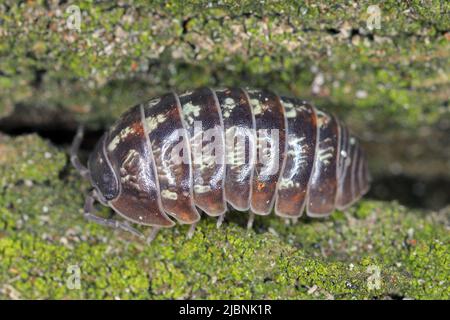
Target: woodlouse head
<point>102,175</point>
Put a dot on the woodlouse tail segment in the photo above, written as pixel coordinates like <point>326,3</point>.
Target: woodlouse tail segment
<point>358,173</point>
<point>366,175</point>
<point>362,175</point>
<point>343,165</point>
<point>354,179</point>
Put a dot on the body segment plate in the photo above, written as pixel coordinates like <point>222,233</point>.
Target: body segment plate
<point>301,147</point>
<point>130,156</point>
<point>203,120</point>
<point>358,176</point>
<point>345,194</point>
<point>240,146</point>
<point>271,145</point>
<point>343,168</point>
<point>323,184</point>
<point>171,151</point>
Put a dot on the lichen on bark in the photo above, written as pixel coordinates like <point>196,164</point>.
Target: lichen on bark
<point>390,85</point>
<point>375,250</point>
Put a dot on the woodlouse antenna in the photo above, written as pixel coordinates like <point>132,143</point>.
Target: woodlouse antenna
<point>74,158</point>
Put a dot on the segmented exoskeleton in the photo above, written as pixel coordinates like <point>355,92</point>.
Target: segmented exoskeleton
<point>175,156</point>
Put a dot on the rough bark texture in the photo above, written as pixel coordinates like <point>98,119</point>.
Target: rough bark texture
<point>389,84</point>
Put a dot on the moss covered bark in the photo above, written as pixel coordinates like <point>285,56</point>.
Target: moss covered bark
<point>390,84</point>
<point>43,236</point>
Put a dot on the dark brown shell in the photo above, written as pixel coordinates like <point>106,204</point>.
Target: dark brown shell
<point>250,149</point>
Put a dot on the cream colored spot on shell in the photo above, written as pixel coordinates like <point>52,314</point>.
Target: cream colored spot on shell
<point>287,184</point>
<point>114,142</point>
<point>119,137</point>
<point>296,145</point>
<point>229,103</point>
<point>169,195</point>
<point>290,110</point>
<point>129,157</point>
<point>253,91</point>
<point>257,106</point>
<point>126,177</point>
<point>201,189</point>
<point>190,111</point>
<point>153,102</point>
<point>153,121</point>
<point>185,94</point>
<point>326,154</point>
<point>228,106</point>
<point>166,174</point>
<point>287,104</point>
<point>235,152</point>
<point>303,108</point>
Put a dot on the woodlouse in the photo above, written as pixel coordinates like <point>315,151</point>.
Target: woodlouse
<point>204,149</point>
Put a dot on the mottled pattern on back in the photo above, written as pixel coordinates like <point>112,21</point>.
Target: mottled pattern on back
<point>199,151</point>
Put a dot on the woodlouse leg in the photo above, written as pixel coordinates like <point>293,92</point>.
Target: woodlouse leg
<point>84,172</point>
<point>251,218</point>
<point>191,230</point>
<point>90,216</point>
<point>153,234</point>
<point>220,220</point>
<point>295,220</point>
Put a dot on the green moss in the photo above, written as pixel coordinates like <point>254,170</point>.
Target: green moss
<point>389,84</point>
<point>43,236</point>
<point>405,240</point>
<point>29,159</point>
<point>386,83</point>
